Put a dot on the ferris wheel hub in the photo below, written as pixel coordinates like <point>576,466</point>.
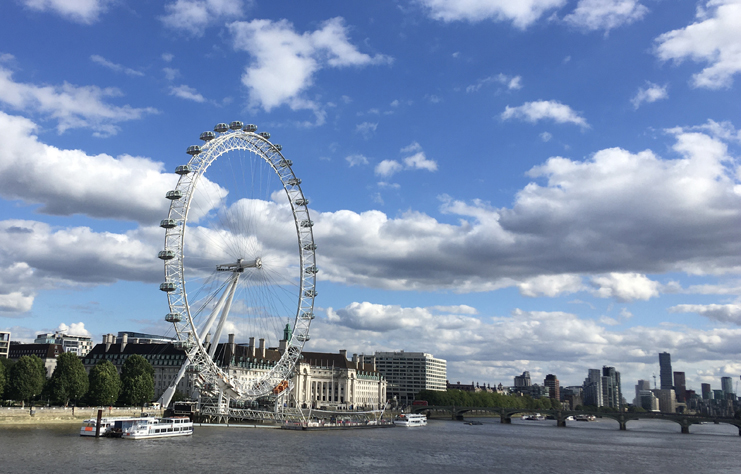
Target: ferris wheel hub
<point>239,266</point>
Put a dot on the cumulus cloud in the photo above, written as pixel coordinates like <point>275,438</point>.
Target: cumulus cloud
<point>417,161</point>
<point>285,61</point>
<point>187,93</point>
<point>550,285</point>
<point>625,287</point>
<point>713,39</point>
<point>616,216</point>
<point>511,82</point>
<point>524,341</point>
<point>80,11</point>
<point>100,186</point>
<point>366,129</point>
<point>75,329</point>
<point>193,16</point>
<point>114,67</point>
<point>72,106</point>
<point>544,110</point>
<point>521,13</point>
<point>724,313</point>
<point>651,93</point>
<point>605,14</point>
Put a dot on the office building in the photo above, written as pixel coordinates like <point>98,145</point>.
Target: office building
<point>707,393</point>
<point>78,345</point>
<point>667,399</point>
<point>647,400</point>
<point>611,391</point>
<point>592,394</point>
<point>665,368</point>
<point>409,372</point>
<point>642,385</point>
<point>4,344</point>
<point>48,353</point>
<point>554,390</point>
<point>726,384</point>
<point>680,388</point>
<point>523,380</point>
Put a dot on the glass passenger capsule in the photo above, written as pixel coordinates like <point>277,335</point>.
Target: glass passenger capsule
<point>208,136</point>
<point>293,182</point>
<point>182,169</point>
<point>301,202</point>
<point>312,270</point>
<point>277,146</point>
<point>285,163</point>
<point>193,150</point>
<point>310,293</point>
<point>167,286</point>
<point>166,254</point>
<point>307,223</point>
<point>302,337</point>
<point>311,246</point>
<point>265,135</point>
<point>221,127</point>
<point>173,317</point>
<point>168,223</point>
<point>174,194</point>
<point>250,127</point>
<point>307,315</point>
<point>236,125</point>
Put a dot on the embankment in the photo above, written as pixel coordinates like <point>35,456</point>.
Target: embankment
<point>55,415</point>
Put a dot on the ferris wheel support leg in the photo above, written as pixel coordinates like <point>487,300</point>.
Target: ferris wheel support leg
<point>167,395</point>
<point>212,317</point>
<point>224,315</point>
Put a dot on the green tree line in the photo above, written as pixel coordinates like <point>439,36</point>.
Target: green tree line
<point>460,398</point>
<point>25,381</point>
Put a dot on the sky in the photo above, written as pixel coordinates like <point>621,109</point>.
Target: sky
<point>542,185</point>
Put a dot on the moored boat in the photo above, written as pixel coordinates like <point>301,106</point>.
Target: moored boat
<point>109,426</point>
<point>410,419</point>
<point>160,428</point>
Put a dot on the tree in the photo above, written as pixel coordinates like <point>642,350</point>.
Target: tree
<point>104,384</point>
<point>69,380</point>
<point>2,380</point>
<point>137,381</point>
<point>26,378</point>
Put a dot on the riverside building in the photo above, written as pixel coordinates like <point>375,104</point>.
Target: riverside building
<point>4,344</point>
<point>78,345</point>
<point>409,372</point>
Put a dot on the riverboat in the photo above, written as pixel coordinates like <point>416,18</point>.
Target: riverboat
<point>534,417</point>
<point>410,419</point>
<point>110,426</point>
<point>159,428</point>
<point>586,418</point>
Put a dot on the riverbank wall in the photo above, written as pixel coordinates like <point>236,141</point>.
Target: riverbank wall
<point>59,415</point>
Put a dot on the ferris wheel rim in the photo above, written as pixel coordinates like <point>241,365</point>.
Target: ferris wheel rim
<point>175,279</point>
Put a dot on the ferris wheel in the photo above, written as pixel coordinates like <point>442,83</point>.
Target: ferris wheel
<point>239,257</point>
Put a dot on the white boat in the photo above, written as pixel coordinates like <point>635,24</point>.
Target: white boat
<point>535,417</point>
<point>159,428</point>
<point>109,426</point>
<point>410,419</point>
<point>586,418</point>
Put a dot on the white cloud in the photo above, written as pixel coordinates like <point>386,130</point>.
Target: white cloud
<point>388,168</point>
<point>170,73</point>
<point>714,39</point>
<point>651,93</point>
<point>100,186</point>
<point>550,285</point>
<point>285,62</point>
<point>625,286</point>
<point>545,136</point>
<point>544,109</point>
<point>70,105</point>
<point>366,129</point>
<point>511,82</point>
<point>605,14</point>
<point>356,160</point>
<point>724,313</point>
<point>419,161</point>
<point>168,57</point>
<point>187,93</point>
<point>74,329</point>
<point>193,16</point>
<point>81,11</point>
<point>521,13</point>
<point>16,302</point>
<point>524,341</point>
<point>115,67</point>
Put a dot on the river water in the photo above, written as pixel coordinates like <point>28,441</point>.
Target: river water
<point>649,446</point>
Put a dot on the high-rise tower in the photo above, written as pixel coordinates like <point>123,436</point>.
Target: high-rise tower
<point>665,365</point>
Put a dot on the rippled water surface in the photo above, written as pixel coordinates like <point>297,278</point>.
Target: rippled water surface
<point>648,446</point>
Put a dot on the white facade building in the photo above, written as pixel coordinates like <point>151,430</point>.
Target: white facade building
<point>79,345</point>
<point>4,344</point>
<point>409,372</point>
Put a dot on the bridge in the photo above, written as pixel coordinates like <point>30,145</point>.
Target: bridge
<point>505,415</point>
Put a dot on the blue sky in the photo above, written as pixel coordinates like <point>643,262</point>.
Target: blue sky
<point>544,185</point>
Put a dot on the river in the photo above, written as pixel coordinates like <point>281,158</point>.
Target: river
<point>649,446</point>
